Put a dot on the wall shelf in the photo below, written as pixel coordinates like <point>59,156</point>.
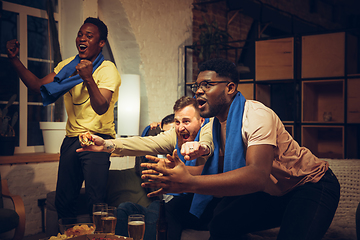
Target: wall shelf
<point>274,59</point>
<point>311,82</point>
<point>323,101</point>
<point>324,141</point>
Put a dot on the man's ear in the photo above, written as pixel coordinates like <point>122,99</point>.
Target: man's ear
<point>232,87</point>
<point>202,120</point>
<point>102,43</point>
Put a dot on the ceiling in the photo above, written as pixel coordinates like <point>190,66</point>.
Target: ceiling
<point>345,15</point>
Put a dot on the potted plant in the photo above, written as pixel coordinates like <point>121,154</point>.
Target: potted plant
<point>211,40</point>
<point>7,132</point>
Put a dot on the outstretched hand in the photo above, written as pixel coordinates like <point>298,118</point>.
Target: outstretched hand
<point>193,150</point>
<point>98,146</point>
<point>169,175</point>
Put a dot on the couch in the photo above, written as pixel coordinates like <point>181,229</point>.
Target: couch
<point>343,226</point>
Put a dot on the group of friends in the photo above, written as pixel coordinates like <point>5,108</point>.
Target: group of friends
<point>231,168</point>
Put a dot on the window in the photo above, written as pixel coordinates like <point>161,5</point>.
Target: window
<point>28,24</point>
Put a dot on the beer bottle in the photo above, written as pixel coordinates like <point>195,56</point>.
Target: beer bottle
<point>161,224</point>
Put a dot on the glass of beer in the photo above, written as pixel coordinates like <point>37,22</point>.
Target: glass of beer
<point>99,210</point>
<point>136,226</point>
<point>109,221</point>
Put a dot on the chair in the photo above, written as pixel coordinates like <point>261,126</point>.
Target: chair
<point>9,218</point>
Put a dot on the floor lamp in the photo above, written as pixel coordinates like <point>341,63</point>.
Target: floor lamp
<point>129,106</point>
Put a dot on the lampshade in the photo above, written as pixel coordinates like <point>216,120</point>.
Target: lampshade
<point>129,105</point>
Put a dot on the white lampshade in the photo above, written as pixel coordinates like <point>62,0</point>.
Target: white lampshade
<point>129,105</point>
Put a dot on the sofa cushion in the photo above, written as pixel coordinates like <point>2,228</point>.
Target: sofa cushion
<point>343,225</point>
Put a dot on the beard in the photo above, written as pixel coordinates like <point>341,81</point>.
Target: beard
<point>192,137</point>
<point>215,109</point>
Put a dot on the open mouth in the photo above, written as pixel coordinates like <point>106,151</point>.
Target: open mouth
<point>185,136</point>
<point>82,47</point>
<point>201,102</point>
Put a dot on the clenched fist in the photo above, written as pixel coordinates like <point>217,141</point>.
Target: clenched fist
<point>12,48</point>
<point>85,68</point>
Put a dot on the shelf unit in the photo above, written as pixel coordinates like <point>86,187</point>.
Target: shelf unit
<point>324,141</point>
<point>311,82</point>
<point>274,59</point>
<point>322,101</point>
<point>275,79</point>
<point>330,107</point>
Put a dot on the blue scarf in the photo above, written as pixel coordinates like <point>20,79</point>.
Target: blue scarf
<point>234,150</point>
<point>63,82</point>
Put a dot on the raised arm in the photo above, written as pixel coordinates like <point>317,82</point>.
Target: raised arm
<point>29,79</point>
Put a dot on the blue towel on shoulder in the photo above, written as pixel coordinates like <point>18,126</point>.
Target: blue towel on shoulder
<point>234,150</point>
<point>63,82</point>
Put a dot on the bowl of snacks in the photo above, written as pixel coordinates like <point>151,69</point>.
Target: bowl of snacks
<point>72,227</point>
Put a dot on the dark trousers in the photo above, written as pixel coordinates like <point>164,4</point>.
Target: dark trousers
<point>179,218</point>
<point>74,168</point>
<point>304,213</point>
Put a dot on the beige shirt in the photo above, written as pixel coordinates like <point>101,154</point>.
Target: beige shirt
<point>163,143</point>
<point>293,165</point>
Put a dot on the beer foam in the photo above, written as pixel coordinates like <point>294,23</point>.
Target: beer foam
<point>136,223</point>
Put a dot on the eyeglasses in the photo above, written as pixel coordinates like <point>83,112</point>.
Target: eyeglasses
<point>205,85</point>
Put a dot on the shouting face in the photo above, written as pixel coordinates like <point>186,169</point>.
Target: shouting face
<point>88,42</point>
<point>187,124</point>
<point>211,95</point>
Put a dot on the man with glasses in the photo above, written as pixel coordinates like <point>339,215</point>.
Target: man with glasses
<point>258,177</point>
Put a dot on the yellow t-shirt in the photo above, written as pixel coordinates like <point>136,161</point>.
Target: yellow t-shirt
<point>81,116</point>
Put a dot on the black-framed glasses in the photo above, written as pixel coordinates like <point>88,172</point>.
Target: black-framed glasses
<point>205,85</point>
